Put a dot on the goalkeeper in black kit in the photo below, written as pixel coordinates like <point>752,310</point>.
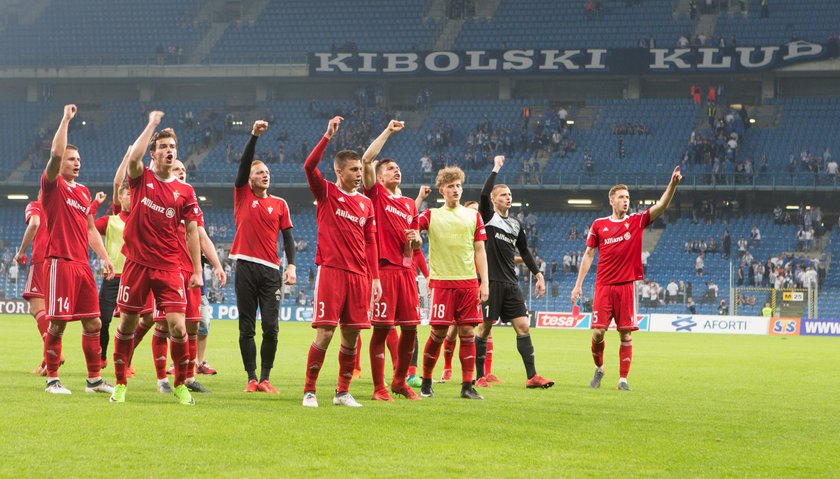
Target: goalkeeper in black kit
<point>505,238</point>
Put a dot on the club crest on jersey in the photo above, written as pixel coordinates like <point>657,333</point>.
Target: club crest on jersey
<point>362,221</point>
<point>254,204</point>
<point>170,212</point>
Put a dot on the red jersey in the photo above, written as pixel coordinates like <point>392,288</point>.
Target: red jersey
<point>346,223</point>
<point>619,244</point>
<point>186,259</point>
<point>258,225</point>
<point>394,215</point>
<point>39,243</point>
<point>157,208</point>
<point>67,208</point>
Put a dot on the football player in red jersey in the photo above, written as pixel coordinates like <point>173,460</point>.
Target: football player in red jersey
<point>159,202</point>
<point>347,257</point>
<point>69,287</point>
<point>33,291</point>
<point>260,218</point>
<point>399,244</point>
<point>618,238</point>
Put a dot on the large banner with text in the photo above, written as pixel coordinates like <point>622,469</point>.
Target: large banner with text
<point>575,61</point>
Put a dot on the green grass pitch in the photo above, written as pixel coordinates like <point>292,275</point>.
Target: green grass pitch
<point>701,406</point>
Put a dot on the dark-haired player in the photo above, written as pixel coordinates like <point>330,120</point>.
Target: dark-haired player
<point>398,240</point>
<point>347,259</point>
<point>159,202</point>
<point>69,287</point>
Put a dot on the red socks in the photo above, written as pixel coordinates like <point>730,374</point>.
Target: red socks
<point>598,352</point>
<point>314,361</point>
<point>52,353</point>
<point>93,353</point>
<point>488,357</point>
<point>466,353</point>
<point>393,343</point>
<point>430,355</point>
<point>357,364</point>
<point>625,354</point>
<point>192,340</point>
<point>123,348</point>
<point>139,333</point>
<point>406,351</point>
<point>448,352</point>
<point>42,322</point>
<point>159,347</point>
<point>377,356</point>
<point>346,360</point>
<point>180,357</point>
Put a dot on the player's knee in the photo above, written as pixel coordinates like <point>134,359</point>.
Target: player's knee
<point>92,325</point>
<point>177,331</point>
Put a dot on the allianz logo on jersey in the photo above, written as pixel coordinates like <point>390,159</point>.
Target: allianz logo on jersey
<point>355,219</point>
<point>169,212</point>
<point>617,239</point>
<point>75,204</point>
<point>405,216</point>
<point>500,236</point>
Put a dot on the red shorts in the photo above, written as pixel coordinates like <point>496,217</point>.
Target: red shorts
<point>400,302</point>
<point>137,281</point>
<point>615,302</point>
<point>342,298</point>
<point>457,306</point>
<point>148,308</point>
<point>34,287</point>
<point>193,313</point>
<point>70,290</point>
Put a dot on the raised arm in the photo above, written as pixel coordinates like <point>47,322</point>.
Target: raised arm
<point>247,158</point>
<point>119,177</point>
<point>310,166</point>
<point>485,204</point>
<point>138,149</point>
<point>665,201</point>
<point>369,174</point>
<point>59,144</point>
<point>424,193</point>
<point>585,264</point>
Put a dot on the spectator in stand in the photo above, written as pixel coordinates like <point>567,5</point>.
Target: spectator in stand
<point>722,309</point>
<point>698,265</point>
<point>765,9</point>
<point>567,262</point>
<point>755,236</point>
<point>588,162</point>
<point>727,244</point>
<point>742,247</point>
<point>691,306</point>
<point>645,256</point>
<point>673,290</point>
